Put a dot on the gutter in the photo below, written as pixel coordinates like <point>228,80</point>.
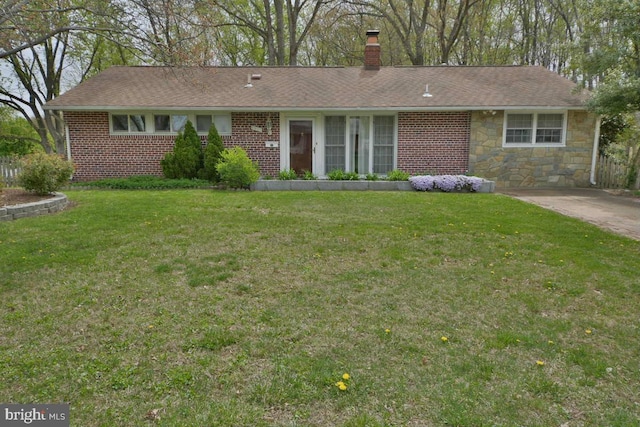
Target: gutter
<point>594,156</point>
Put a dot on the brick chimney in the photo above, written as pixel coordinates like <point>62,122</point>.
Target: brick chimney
<point>372,51</point>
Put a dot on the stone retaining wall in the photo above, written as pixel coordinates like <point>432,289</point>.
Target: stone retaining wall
<point>47,206</point>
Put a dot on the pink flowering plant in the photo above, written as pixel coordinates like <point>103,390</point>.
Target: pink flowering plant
<point>445,183</point>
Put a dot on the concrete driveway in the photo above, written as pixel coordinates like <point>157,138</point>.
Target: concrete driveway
<point>617,213</point>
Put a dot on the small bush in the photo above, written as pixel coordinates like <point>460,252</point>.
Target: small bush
<point>340,175</point>
<point>397,175</point>
<point>44,173</point>
<point>336,175</point>
<point>372,177</point>
<point>236,169</point>
<point>309,176</point>
<point>287,175</point>
<point>352,176</point>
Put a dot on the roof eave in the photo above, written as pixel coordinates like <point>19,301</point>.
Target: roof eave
<point>330,109</point>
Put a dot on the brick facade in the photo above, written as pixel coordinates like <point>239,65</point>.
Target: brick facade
<point>243,135</point>
<point>433,142</point>
<point>428,143</point>
<point>97,154</point>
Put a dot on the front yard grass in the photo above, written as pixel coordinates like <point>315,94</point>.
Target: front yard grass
<point>203,308</point>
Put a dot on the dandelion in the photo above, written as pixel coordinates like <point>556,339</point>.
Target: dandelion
<point>346,376</point>
<point>550,342</point>
<point>341,385</point>
<point>444,339</point>
<point>588,331</point>
<point>387,331</point>
<point>539,363</point>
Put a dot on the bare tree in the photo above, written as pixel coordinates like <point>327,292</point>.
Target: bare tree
<point>25,24</point>
<point>417,22</point>
<point>37,71</point>
<point>283,25</point>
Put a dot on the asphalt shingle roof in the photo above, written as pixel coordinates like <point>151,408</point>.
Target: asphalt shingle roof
<point>315,88</point>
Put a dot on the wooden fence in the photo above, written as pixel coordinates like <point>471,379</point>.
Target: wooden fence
<point>9,170</point>
<point>611,174</point>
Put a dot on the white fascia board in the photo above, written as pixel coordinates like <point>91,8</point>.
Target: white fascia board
<point>318,109</point>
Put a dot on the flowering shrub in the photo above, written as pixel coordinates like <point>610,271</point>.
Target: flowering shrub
<point>44,173</point>
<point>445,182</point>
<point>236,169</point>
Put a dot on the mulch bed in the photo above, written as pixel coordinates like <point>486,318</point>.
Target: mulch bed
<point>18,196</point>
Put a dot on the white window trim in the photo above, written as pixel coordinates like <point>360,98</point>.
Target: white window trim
<point>535,113</point>
<point>150,123</point>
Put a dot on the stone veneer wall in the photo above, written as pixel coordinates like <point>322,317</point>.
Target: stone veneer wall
<point>568,166</point>
<point>97,154</point>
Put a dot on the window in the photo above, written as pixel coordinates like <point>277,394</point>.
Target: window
<point>128,123</point>
<point>203,123</point>
<point>223,123</point>
<point>549,129</point>
<point>362,144</point>
<point>161,123</point>
<point>335,127</point>
<point>526,129</point>
<point>383,146</point>
<point>120,123</point>
<point>169,123</point>
<point>359,144</point>
<point>178,123</point>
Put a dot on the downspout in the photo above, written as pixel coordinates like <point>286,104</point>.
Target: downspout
<point>68,141</point>
<point>596,146</point>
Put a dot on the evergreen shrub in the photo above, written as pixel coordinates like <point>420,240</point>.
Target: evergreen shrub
<point>212,155</point>
<point>187,158</point>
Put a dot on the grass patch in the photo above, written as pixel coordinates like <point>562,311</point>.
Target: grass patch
<point>242,308</point>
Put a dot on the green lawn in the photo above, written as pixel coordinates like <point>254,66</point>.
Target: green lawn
<point>204,308</point>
